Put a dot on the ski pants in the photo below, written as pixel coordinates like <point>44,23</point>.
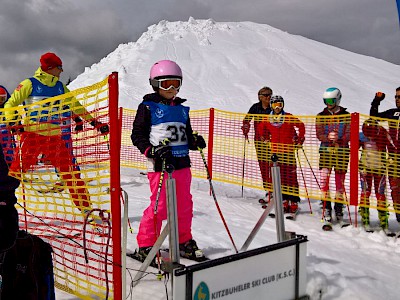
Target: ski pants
<point>394,181</point>
<point>150,225</point>
<point>379,186</point>
<point>263,157</point>
<point>288,172</point>
<point>55,150</point>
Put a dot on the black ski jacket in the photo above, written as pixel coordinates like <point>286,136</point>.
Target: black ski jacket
<point>141,131</point>
<point>8,184</point>
<point>256,109</point>
<point>391,114</point>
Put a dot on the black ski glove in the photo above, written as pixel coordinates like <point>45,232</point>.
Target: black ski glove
<point>79,124</point>
<point>162,151</point>
<point>102,127</point>
<point>15,128</point>
<point>199,141</point>
<point>379,96</point>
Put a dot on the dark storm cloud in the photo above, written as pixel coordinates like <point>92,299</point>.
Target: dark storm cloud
<point>84,32</point>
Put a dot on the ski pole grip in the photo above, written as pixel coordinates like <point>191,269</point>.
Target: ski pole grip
<point>169,168</point>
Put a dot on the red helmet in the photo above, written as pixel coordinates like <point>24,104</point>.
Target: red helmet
<point>370,128</point>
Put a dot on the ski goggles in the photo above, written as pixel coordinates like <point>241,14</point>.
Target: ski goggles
<point>276,105</point>
<point>330,101</point>
<point>167,83</point>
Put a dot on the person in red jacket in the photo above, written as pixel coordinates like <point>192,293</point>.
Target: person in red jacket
<point>285,133</point>
<point>375,142</point>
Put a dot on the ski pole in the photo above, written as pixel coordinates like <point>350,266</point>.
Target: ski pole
<point>244,162</point>
<point>312,171</point>
<point>305,185</point>
<point>215,198</point>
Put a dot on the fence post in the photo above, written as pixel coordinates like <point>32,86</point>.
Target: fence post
<point>210,141</point>
<point>115,186</point>
<point>354,145</point>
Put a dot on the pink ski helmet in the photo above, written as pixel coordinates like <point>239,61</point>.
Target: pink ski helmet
<point>165,69</point>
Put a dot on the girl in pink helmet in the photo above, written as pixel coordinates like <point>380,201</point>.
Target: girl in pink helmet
<point>163,133</point>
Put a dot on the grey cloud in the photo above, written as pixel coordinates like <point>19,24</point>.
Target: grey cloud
<point>84,32</point>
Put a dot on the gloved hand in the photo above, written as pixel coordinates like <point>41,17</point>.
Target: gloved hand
<point>16,128</point>
<point>79,124</point>
<point>246,129</point>
<point>199,141</point>
<point>162,151</point>
<point>102,127</point>
<point>333,136</point>
<point>379,96</point>
<point>298,141</point>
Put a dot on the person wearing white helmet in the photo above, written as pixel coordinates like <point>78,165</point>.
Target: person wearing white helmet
<point>163,133</point>
<point>285,133</point>
<point>333,131</point>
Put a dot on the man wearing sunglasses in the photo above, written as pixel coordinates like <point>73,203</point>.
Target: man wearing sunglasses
<point>333,131</point>
<point>393,115</point>
<point>256,112</point>
<point>43,127</point>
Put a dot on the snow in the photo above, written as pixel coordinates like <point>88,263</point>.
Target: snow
<point>224,65</point>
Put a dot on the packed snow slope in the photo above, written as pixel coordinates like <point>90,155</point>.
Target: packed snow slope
<point>225,64</point>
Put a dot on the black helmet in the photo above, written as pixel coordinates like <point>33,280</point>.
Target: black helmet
<point>276,99</point>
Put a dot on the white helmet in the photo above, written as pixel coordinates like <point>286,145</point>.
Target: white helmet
<point>332,96</point>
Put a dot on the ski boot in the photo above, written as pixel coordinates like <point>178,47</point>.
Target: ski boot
<point>364,212</point>
<point>327,220</point>
<point>141,255</point>
<point>190,250</point>
<point>285,205</point>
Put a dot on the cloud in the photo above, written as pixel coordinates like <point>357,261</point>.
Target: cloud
<point>84,32</point>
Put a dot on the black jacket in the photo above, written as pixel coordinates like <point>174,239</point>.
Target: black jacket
<point>141,131</point>
<point>8,184</point>
<point>256,109</point>
<point>391,114</point>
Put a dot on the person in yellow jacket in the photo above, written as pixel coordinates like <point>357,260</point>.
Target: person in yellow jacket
<point>43,126</point>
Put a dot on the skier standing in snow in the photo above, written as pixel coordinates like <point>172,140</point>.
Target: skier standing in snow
<point>43,126</point>
<point>279,130</point>
<point>375,142</point>
<point>163,133</point>
<point>394,131</point>
<point>333,130</point>
<point>262,107</point>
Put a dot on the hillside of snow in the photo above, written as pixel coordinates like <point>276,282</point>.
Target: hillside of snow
<point>225,64</point>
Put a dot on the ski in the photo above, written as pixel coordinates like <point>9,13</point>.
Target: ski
<point>136,256</point>
<point>60,236</point>
<point>199,255</point>
<point>387,232</point>
<point>57,188</point>
<point>327,226</point>
<point>292,215</point>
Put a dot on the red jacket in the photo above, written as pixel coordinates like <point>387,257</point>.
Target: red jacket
<point>280,130</point>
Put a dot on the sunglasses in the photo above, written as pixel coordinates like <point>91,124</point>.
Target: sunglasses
<point>168,83</point>
<point>276,104</point>
<point>330,101</point>
<point>60,68</point>
<point>396,97</point>
<point>265,95</point>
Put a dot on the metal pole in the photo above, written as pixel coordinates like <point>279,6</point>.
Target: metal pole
<point>277,189</point>
<point>172,216</point>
